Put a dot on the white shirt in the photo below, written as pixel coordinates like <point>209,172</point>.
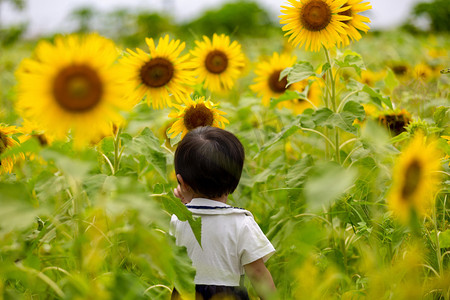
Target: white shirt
<point>230,239</point>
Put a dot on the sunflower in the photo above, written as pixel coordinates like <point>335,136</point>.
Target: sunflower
<point>415,179</point>
<point>395,121</point>
<point>218,63</point>
<point>314,23</point>
<point>400,69</point>
<point>422,72</point>
<point>31,130</point>
<point>195,113</point>
<point>370,77</point>
<point>159,74</point>
<point>72,85</point>
<point>268,83</point>
<point>356,23</point>
<point>6,142</point>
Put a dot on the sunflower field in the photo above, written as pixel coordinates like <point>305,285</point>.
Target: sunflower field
<point>346,134</point>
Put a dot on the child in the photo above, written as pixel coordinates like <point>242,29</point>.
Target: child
<point>208,164</point>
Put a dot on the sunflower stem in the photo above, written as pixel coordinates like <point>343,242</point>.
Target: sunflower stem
<point>117,151</point>
<point>333,103</point>
<point>438,246</point>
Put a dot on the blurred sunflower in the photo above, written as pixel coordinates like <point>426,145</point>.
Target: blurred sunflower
<point>268,83</point>
<point>370,77</point>
<point>72,85</point>
<point>395,121</point>
<point>422,72</point>
<point>400,69</point>
<point>31,130</point>
<point>415,179</point>
<point>6,141</point>
<point>195,113</point>
<point>313,98</point>
<point>314,23</point>
<point>159,74</point>
<point>218,63</point>
<point>356,23</point>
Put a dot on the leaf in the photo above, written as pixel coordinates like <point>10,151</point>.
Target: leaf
<point>343,120</point>
<point>306,119</point>
<point>327,183</point>
<point>184,272</point>
<point>442,116</point>
<point>321,116</point>
<point>377,97</point>
<point>325,67</point>
<point>300,71</point>
<point>75,168</point>
<point>17,210</point>
<point>174,206</point>
<point>148,145</point>
<point>297,174</point>
<point>444,238</point>
<point>287,95</point>
<point>355,109</point>
<point>273,168</point>
<point>351,60</point>
<point>286,132</point>
<point>391,80</point>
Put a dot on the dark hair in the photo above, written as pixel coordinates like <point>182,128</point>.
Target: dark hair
<point>210,160</point>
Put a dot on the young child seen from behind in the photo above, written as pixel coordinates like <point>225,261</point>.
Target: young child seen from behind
<point>208,165</point>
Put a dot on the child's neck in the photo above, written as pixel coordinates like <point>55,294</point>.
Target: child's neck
<point>222,198</point>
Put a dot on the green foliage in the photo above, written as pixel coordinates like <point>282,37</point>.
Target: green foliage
<point>12,34</point>
<point>438,13</point>
<point>94,223</point>
<point>239,18</point>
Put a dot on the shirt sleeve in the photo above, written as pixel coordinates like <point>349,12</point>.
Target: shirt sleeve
<point>252,243</point>
<point>173,225</point>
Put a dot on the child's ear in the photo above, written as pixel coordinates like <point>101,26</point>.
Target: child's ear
<point>183,184</point>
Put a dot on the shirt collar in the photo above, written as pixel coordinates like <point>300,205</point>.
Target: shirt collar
<point>207,202</point>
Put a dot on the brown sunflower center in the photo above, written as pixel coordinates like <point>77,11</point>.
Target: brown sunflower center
<point>77,88</point>
<point>315,15</point>
<point>42,139</point>
<point>216,62</point>
<point>400,70</point>
<point>157,72</point>
<point>3,142</point>
<point>412,178</point>
<point>395,123</point>
<point>198,115</point>
<point>277,85</point>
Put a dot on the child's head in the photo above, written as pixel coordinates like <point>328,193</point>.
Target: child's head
<point>210,161</point>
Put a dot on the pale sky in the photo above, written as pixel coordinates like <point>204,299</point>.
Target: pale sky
<point>47,16</point>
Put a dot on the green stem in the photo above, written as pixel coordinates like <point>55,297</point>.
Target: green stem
<point>117,151</point>
<point>333,104</point>
<point>438,246</point>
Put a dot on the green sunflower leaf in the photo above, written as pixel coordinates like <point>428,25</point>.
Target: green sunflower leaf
<point>148,145</point>
<point>17,208</point>
<point>298,72</point>
<point>377,97</point>
<point>352,60</point>
<point>288,95</point>
<point>391,81</point>
<point>286,132</point>
<point>327,183</point>
<point>442,116</point>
